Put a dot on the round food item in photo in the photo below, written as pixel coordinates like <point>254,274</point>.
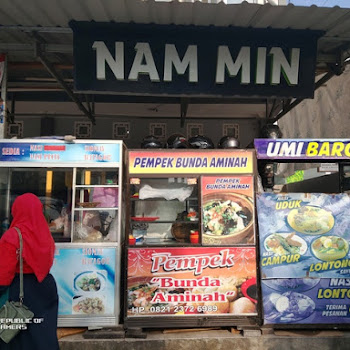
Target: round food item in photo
<point>311,220</point>
<point>329,248</point>
<point>242,306</point>
<point>227,218</point>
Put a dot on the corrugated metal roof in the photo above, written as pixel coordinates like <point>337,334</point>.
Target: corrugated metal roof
<point>57,13</point>
<point>53,17</point>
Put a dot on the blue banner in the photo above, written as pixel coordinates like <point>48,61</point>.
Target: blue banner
<point>306,301</point>
<point>297,149</point>
<point>304,235</point>
<point>85,280</point>
<point>39,152</point>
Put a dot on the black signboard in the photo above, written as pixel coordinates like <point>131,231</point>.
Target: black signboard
<point>173,60</point>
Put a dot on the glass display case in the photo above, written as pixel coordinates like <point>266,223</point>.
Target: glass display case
<point>80,204</point>
<point>95,204</point>
<point>164,210</point>
<point>80,185</point>
<point>190,232</point>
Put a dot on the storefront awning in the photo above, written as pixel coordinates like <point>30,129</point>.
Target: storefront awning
<point>41,27</point>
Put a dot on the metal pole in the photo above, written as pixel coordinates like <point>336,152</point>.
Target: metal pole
<point>39,41</point>
<point>65,87</point>
<point>318,84</point>
<point>3,107</point>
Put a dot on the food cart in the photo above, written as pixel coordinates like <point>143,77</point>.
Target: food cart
<point>80,185</point>
<point>304,237</point>
<point>191,254</point>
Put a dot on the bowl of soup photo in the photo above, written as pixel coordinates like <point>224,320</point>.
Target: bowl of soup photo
<point>227,219</point>
<point>329,248</point>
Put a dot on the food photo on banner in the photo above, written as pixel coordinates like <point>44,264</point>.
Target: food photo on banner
<point>86,280</point>
<point>191,281</point>
<point>306,301</point>
<point>304,257</point>
<point>228,210</point>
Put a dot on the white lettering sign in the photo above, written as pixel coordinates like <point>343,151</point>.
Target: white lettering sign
<point>189,60</point>
<point>103,56</point>
<point>225,61</point>
<point>143,53</point>
<point>226,68</point>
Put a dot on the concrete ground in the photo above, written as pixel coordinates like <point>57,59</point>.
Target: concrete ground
<point>217,340</point>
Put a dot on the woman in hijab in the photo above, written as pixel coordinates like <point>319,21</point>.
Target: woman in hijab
<point>40,292</point>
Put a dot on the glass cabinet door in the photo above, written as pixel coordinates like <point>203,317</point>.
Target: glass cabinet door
<point>80,205</point>
<point>96,205</point>
<point>163,210</point>
<point>53,186</point>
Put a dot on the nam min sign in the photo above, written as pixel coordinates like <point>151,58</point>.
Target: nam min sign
<point>139,59</point>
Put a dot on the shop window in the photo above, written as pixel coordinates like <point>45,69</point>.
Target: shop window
<point>83,130</point>
<point>15,129</point>
<point>231,130</point>
<point>158,130</point>
<point>121,131</point>
<point>194,129</point>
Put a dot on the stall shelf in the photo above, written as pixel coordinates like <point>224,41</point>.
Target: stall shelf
<point>80,184</point>
<point>190,231</point>
<point>304,236</point>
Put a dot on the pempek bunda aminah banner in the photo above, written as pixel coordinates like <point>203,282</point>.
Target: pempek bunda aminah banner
<point>191,281</point>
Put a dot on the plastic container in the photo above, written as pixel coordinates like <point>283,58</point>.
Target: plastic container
<point>132,240</point>
<point>194,237</point>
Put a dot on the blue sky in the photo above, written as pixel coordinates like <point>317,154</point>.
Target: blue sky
<point>322,3</point>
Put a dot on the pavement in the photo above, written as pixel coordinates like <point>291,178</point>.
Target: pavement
<point>214,339</point>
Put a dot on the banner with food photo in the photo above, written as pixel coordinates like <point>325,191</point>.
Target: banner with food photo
<point>85,280</point>
<point>228,210</point>
<point>304,235</point>
<point>306,301</point>
<point>191,281</point>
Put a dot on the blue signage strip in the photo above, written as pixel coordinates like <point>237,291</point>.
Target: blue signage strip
<point>85,280</point>
<point>177,60</point>
<point>306,301</point>
<point>304,235</point>
<point>298,149</point>
<point>38,152</point>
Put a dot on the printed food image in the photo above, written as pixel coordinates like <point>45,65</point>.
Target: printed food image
<point>236,302</point>
<point>227,218</point>
<point>285,243</point>
<point>242,306</point>
<point>89,281</point>
<point>330,248</point>
<point>292,284</point>
<point>311,220</point>
<point>191,300</point>
<point>86,305</point>
<point>141,294</point>
<point>224,218</point>
<point>287,307</point>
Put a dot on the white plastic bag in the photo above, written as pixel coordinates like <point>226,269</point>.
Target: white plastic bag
<point>181,193</point>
